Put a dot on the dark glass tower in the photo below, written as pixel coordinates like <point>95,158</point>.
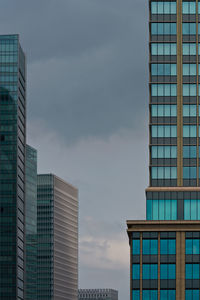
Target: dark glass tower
<point>165,249</point>
<point>12,167</point>
<point>31,223</point>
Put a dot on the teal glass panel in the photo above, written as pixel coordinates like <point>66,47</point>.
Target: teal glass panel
<point>189,7</point>
<point>150,247</point>
<point>189,49</point>
<point>167,271</point>
<point>167,294</point>
<point>149,271</point>
<point>136,247</point>
<point>192,271</point>
<point>136,271</point>
<point>189,28</point>
<point>189,152</point>
<point>136,294</point>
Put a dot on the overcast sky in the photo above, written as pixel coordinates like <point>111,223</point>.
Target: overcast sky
<point>87,72</point>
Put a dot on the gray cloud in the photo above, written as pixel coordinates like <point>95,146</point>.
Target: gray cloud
<point>87,106</point>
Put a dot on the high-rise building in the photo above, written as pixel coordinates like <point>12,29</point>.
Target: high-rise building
<point>165,249</point>
<point>12,167</point>
<point>31,224</point>
<point>57,230</point>
<point>97,294</point>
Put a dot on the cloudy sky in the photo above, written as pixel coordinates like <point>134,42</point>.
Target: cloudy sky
<point>87,116</point>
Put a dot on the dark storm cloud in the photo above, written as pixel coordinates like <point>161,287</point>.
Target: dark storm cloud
<point>86,62</point>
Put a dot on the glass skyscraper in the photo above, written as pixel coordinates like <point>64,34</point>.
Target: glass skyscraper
<point>165,249</point>
<point>31,223</point>
<point>12,167</point>
<point>57,230</point>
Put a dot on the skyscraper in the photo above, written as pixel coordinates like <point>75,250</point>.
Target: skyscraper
<point>31,223</point>
<point>12,167</point>
<point>57,227</point>
<point>165,249</point>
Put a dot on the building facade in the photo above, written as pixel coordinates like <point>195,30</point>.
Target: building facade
<point>173,195</point>
<point>12,167</point>
<point>57,230</point>
<point>100,294</point>
<point>31,223</point>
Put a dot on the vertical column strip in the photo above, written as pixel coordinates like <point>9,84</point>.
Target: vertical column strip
<point>197,77</point>
<point>131,266</point>
<point>179,96</point>
<point>140,265</point>
<point>158,265</point>
<point>182,264</point>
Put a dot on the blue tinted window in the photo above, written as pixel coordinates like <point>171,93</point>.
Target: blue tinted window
<point>166,28</point>
<point>164,172</point>
<point>167,295</point>
<point>189,7</point>
<point>167,246</point>
<point>161,209</point>
<point>150,247</point>
<point>189,90</point>
<point>163,69</point>
<point>189,172</point>
<point>189,152</point>
<point>150,271</point>
<point>192,271</point>
<point>192,246</point>
<point>163,151</point>
<point>167,271</point>
<point>189,110</point>
<point>191,294</point>
<point>191,209</point>
<point>189,69</point>
<point>166,130</point>
<point>163,7</point>
<point>189,131</point>
<point>164,90</point>
<point>163,110</point>
<point>136,294</point>
<point>136,247</point>
<point>189,28</point>
<point>150,294</point>
<point>189,49</point>
<point>136,271</point>
<point>163,49</point>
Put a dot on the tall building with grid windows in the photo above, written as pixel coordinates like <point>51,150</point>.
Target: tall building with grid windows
<point>12,167</point>
<point>57,230</point>
<point>165,249</point>
<point>31,224</point>
<point>97,294</point>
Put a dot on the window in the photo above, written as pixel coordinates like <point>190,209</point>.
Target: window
<point>163,7</point>
<point>167,28</point>
<point>149,271</point>
<point>150,294</point>
<point>161,209</point>
<point>163,172</point>
<point>163,110</point>
<point>189,90</point>
<point>167,294</point>
<point>189,49</point>
<point>192,271</point>
<point>189,110</point>
<point>189,172</point>
<point>136,294</point>
<point>167,246</point>
<point>191,294</point>
<point>163,90</point>
<point>163,69</point>
<point>192,246</point>
<point>189,151</point>
<point>189,7</point>
<point>191,209</point>
<point>164,151</point>
<point>189,28</point>
<point>189,69</point>
<point>136,247</point>
<point>167,271</point>
<point>136,271</point>
<point>164,131</point>
<point>164,49</point>
<point>189,131</point>
<point>149,247</point>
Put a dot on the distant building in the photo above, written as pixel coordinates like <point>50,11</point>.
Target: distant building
<point>57,228</point>
<point>31,223</point>
<point>100,294</point>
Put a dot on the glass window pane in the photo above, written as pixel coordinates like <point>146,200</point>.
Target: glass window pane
<point>136,271</point>
<point>136,247</point>
<point>187,210</point>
